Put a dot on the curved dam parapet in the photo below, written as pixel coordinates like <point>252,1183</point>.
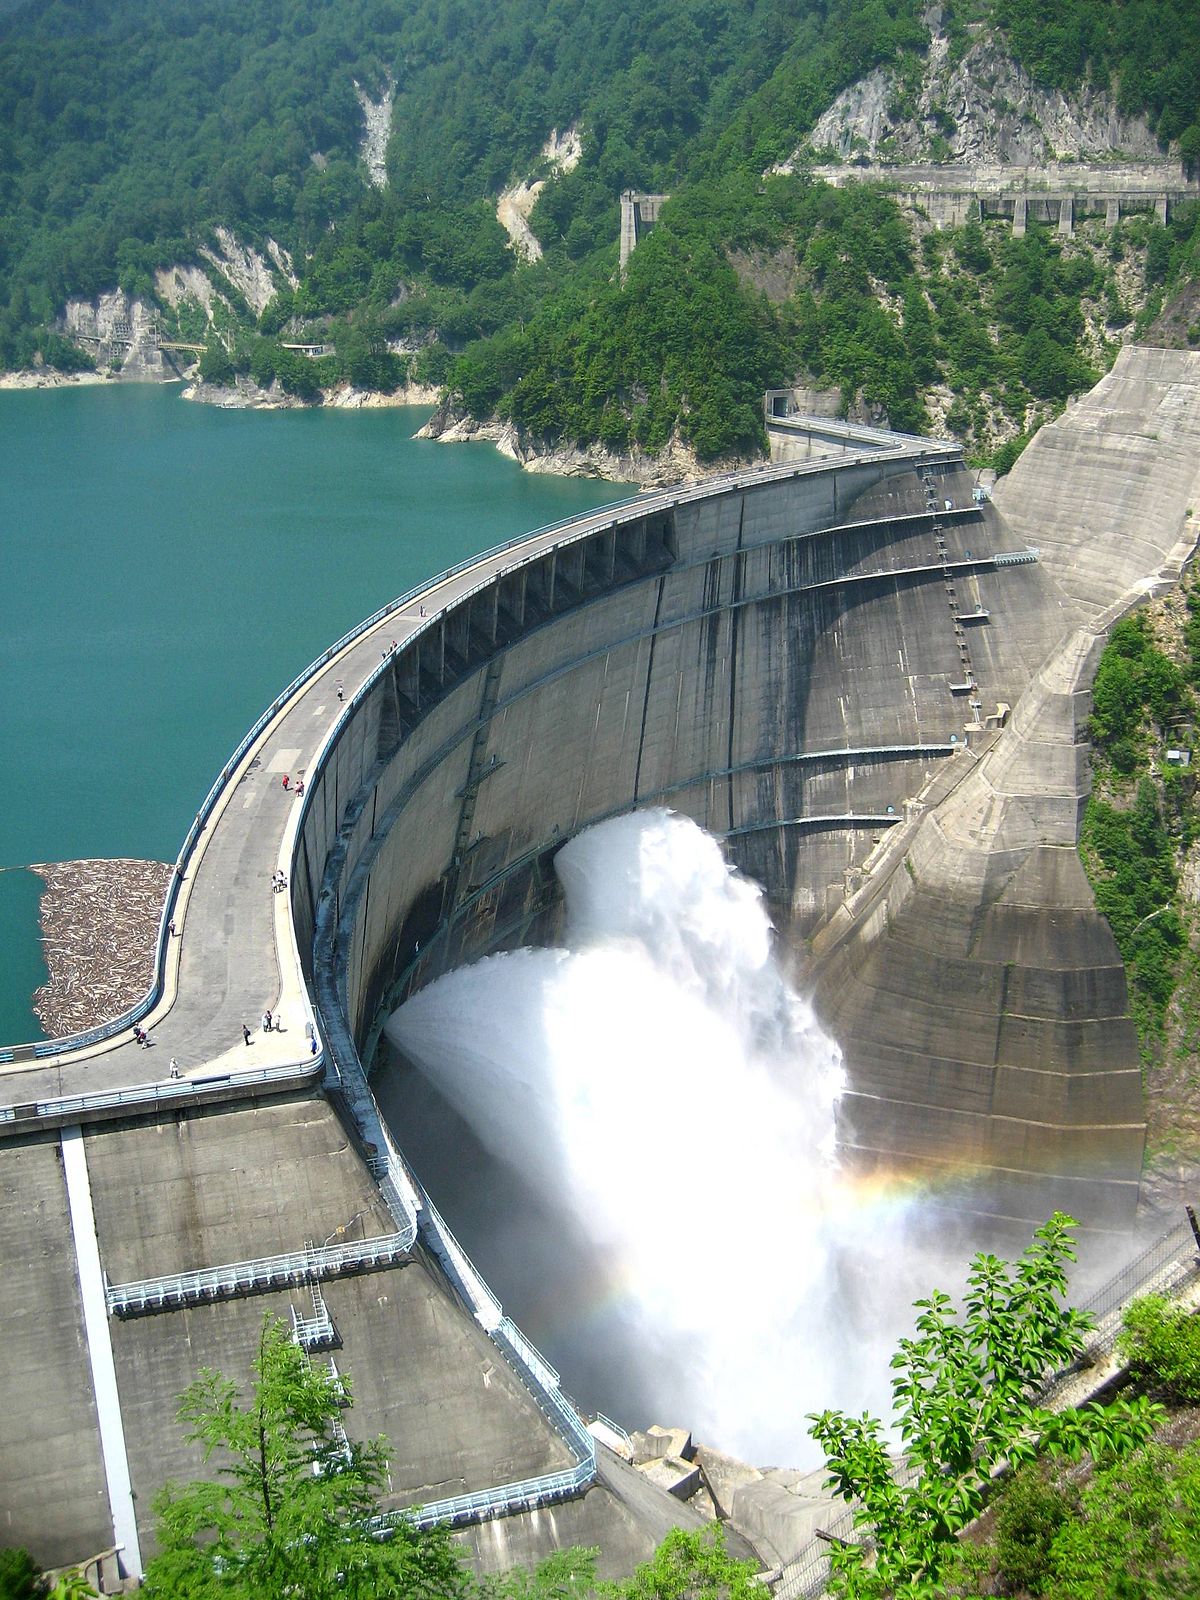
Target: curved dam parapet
<point>871,686</point>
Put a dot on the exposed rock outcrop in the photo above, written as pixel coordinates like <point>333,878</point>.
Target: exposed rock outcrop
<point>377,119</point>
<point>980,106</point>
<point>49,378</point>
<point>119,332</point>
<point>174,285</point>
<point>561,153</point>
<point>243,267</point>
<point>243,394</point>
<point>677,463</point>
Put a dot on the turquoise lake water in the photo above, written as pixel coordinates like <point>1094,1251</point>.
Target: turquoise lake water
<point>166,569</point>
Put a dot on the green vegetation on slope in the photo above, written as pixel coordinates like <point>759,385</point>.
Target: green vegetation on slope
<point>1006,327</point>
<point>1128,1530</point>
<point>1125,1528</point>
<point>1160,1344</point>
<point>963,1411</point>
<point>1147,52</point>
<point>127,134</point>
<point>1143,817</point>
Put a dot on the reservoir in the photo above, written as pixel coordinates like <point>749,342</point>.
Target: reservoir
<point>169,568</point>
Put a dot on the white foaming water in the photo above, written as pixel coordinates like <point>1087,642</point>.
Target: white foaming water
<point>660,1081</point>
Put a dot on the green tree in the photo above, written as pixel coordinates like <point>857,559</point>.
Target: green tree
<point>1031,1511</point>
<point>963,1409</point>
<point>689,1565</point>
<point>72,1585</point>
<point>1161,1344</point>
<point>1131,1532</point>
<point>215,363</point>
<point>20,1576</point>
<point>289,1512</point>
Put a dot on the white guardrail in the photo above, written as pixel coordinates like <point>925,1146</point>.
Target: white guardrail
<point>74,1107</point>
<point>205,1284</point>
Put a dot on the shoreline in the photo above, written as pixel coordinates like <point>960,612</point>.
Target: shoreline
<point>674,465</point>
<point>677,464</point>
<point>51,378</point>
<point>245,395</point>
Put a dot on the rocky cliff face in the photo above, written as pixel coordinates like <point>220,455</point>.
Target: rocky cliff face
<point>677,463</point>
<point>244,267</point>
<point>977,106</point>
<point>121,332</point>
<point>377,128</point>
<point>118,331</point>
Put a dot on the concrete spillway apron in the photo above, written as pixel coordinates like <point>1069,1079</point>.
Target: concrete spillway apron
<point>100,1354</point>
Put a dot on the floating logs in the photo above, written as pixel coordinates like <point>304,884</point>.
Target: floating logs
<point>99,925</point>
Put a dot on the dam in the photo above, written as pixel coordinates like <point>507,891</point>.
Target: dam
<point>872,686</point>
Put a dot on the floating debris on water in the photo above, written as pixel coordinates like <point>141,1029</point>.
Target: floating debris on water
<point>99,925</point>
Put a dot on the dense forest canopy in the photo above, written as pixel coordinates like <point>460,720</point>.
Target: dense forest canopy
<point>127,129</point>
<point>128,132</point>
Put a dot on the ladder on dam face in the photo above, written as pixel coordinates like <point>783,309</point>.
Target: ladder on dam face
<point>477,770</point>
<point>316,1332</point>
<point>969,683</point>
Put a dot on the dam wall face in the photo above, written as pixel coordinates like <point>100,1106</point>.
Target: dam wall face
<point>792,663</point>
<point>667,660</point>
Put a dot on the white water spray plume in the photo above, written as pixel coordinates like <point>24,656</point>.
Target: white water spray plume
<point>673,1101</point>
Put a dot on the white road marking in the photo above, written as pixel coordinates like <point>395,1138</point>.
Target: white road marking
<point>100,1354</point>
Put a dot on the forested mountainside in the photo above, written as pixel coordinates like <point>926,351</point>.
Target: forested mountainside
<point>130,133</point>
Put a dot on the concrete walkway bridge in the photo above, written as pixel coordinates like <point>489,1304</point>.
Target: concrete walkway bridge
<point>1059,193</point>
<point>816,661</point>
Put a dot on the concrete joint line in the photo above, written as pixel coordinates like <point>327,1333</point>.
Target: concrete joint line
<point>100,1352</point>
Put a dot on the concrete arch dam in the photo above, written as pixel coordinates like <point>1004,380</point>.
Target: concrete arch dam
<point>811,660</point>
<point>809,665</point>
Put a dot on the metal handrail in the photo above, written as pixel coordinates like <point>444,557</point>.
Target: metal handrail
<point>154,1094</point>
<point>535,1372</point>
<point>529,1494</point>
<point>309,1265</point>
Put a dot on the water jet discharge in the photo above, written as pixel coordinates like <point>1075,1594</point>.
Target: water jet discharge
<point>546,835</point>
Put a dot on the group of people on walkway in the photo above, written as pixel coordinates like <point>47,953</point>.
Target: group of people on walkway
<point>293,788</point>
<point>270,1024</point>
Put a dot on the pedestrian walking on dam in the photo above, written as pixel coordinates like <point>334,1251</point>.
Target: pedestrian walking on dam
<point>245,1033</point>
<point>287,782</point>
<point>266,1021</point>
